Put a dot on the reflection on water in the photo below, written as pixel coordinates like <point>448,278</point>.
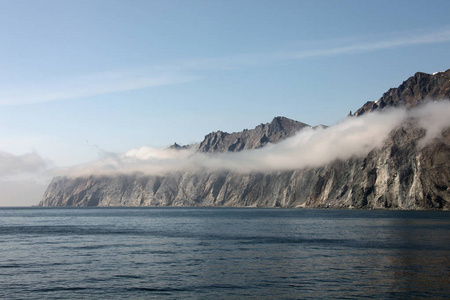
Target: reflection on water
<point>223,253</point>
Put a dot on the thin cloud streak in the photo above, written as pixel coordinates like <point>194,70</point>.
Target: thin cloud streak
<point>180,71</point>
<point>398,40</point>
<point>393,42</point>
<point>89,85</point>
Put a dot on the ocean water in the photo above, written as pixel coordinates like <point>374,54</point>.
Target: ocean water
<point>223,253</point>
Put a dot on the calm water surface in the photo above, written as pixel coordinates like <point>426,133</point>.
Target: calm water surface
<point>222,253</point>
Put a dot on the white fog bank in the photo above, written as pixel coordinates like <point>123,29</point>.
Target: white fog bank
<point>353,136</point>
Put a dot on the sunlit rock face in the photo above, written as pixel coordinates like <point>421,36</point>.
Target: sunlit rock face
<point>415,90</point>
<point>279,129</point>
<point>400,174</point>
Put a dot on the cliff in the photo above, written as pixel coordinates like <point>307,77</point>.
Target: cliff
<point>399,174</point>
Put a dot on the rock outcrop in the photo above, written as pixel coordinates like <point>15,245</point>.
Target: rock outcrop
<point>273,132</point>
<point>414,91</point>
<point>397,175</point>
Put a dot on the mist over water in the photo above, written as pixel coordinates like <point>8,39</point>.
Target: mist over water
<point>310,147</point>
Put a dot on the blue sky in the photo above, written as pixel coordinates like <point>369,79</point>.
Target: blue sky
<point>81,78</point>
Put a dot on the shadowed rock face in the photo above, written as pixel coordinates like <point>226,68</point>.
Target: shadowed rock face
<point>397,175</point>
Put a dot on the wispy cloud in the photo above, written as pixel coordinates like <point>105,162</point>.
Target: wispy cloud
<point>398,40</point>
<point>186,70</point>
<point>88,85</point>
<point>333,47</point>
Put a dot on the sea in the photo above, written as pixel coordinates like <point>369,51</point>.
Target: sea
<point>223,253</point>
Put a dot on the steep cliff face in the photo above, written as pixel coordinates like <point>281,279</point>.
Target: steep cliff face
<point>398,174</point>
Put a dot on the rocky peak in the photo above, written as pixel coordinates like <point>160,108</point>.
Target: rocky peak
<point>415,90</point>
<point>212,141</point>
<point>277,130</point>
<point>283,127</point>
<point>278,124</point>
<point>176,146</point>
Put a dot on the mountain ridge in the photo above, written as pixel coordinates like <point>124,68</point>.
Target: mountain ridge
<point>278,129</point>
<point>396,175</point>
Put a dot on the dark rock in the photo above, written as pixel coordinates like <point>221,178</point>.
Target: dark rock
<point>416,90</point>
<point>179,147</point>
<point>273,132</point>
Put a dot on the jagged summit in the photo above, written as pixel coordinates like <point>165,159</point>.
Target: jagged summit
<point>273,132</point>
<point>176,146</point>
<point>283,124</point>
<point>414,91</point>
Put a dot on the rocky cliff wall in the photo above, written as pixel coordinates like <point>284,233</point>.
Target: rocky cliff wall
<point>399,174</point>
<point>394,176</point>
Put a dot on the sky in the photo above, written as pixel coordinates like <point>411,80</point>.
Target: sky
<point>80,80</point>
